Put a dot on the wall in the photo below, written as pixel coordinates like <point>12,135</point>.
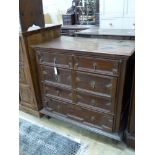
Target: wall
<point>55,9</point>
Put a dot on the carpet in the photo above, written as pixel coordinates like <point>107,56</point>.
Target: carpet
<point>36,140</point>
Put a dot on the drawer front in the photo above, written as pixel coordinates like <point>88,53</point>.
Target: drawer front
<point>96,65</point>
<point>62,77</point>
<point>114,23</point>
<point>78,113</point>
<point>56,106</point>
<point>90,118</point>
<point>102,85</point>
<point>97,103</point>
<point>54,59</point>
<point>58,93</point>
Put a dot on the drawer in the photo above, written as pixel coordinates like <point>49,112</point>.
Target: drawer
<point>58,93</point>
<point>99,84</point>
<point>96,65</point>
<point>56,106</point>
<point>91,118</point>
<point>80,114</point>
<point>95,102</point>
<point>63,75</point>
<point>54,59</point>
<point>114,23</point>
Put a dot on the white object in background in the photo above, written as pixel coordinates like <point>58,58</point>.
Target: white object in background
<point>117,14</point>
<point>33,27</point>
<point>129,8</point>
<point>111,8</point>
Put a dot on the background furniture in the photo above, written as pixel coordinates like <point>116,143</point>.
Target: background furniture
<point>70,30</point>
<point>117,14</point>
<point>29,93</point>
<point>68,19</point>
<point>96,32</point>
<point>31,12</point>
<point>85,82</point>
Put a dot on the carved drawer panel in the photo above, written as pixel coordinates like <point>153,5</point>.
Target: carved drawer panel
<point>95,102</point>
<point>91,118</point>
<point>58,93</point>
<point>55,106</point>
<point>62,77</point>
<point>100,84</point>
<point>96,65</point>
<point>54,59</point>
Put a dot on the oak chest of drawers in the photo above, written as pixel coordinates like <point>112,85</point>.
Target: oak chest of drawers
<point>86,82</point>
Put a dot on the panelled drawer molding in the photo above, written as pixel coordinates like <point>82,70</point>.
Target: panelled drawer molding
<point>104,85</point>
<point>58,93</point>
<point>54,59</point>
<point>95,102</point>
<point>63,76</point>
<point>96,65</point>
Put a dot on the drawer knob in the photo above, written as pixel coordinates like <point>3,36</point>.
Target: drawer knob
<point>94,66</point>
<point>92,84</point>
<point>92,118</point>
<point>110,24</point>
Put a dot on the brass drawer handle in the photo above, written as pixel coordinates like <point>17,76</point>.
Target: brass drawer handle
<point>69,65</point>
<point>92,118</point>
<point>93,102</point>
<point>76,65</point>
<point>56,78</point>
<point>92,84</point>
<point>58,92</point>
<point>94,66</point>
<point>44,72</point>
<point>54,61</point>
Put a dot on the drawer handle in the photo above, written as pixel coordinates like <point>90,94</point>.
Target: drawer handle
<point>94,66</point>
<point>76,65</point>
<point>92,84</point>
<point>110,24</point>
<point>92,118</point>
<point>44,72</point>
<point>56,78</point>
<point>70,65</point>
<point>54,61</point>
<point>93,102</point>
<point>58,92</point>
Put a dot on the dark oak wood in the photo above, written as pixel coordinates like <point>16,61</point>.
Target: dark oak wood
<point>84,81</point>
<point>28,85</point>
<point>130,132</point>
<point>31,12</point>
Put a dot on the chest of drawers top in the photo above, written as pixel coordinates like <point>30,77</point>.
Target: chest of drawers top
<point>91,45</point>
